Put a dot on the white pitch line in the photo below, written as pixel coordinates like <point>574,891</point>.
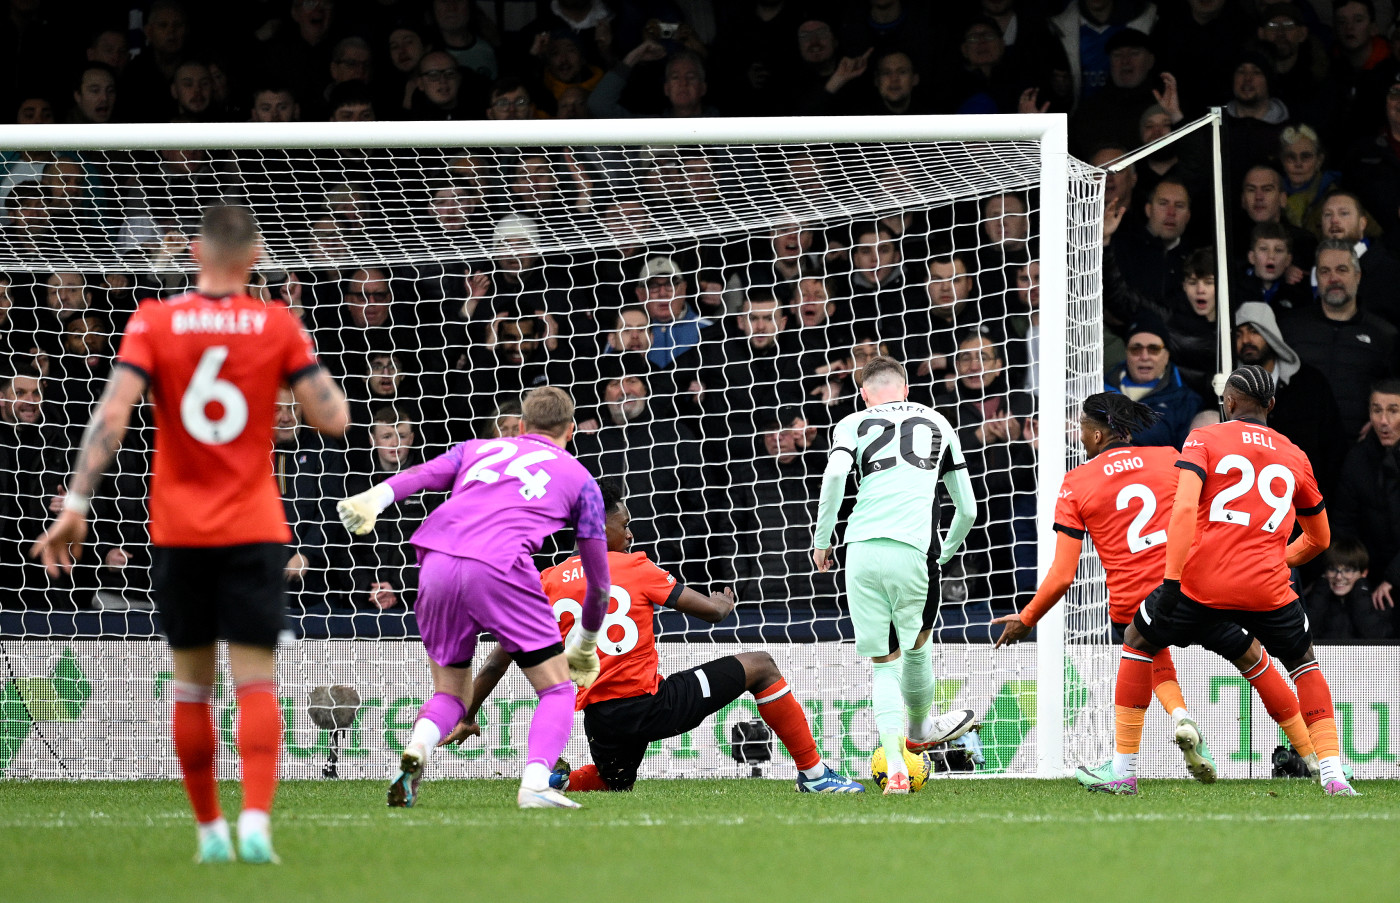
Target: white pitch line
<point>645,820</point>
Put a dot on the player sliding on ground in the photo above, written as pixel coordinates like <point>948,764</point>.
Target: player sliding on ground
<point>213,360</point>
<point>631,705</point>
<point>903,450</point>
<point>1122,499</point>
<point>477,574</point>
<point>1228,560</point>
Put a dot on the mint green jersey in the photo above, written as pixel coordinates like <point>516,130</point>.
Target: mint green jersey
<point>900,451</point>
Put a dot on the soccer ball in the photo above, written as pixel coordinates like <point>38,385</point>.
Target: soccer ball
<point>919,765</point>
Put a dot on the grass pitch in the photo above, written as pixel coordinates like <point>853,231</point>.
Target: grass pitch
<point>717,840</point>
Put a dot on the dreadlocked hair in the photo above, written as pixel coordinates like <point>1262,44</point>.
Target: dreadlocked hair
<point>1119,413</point>
<point>1254,382</point>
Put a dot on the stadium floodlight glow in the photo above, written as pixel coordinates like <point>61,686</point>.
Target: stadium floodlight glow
<point>579,208</point>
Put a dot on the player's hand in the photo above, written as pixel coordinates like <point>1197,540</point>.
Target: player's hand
<point>61,544</point>
<point>1169,596</point>
<point>358,513</point>
<point>1381,598</point>
<point>582,657</point>
<point>1014,631</point>
<point>723,602</point>
<point>462,731</point>
<point>822,559</point>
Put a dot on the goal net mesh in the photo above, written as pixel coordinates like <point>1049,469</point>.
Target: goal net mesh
<point>707,307</point>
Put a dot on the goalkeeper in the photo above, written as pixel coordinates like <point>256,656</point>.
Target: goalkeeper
<point>903,450</point>
<point>474,553</point>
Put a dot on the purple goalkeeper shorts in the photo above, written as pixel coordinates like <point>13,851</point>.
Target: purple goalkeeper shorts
<point>461,597</point>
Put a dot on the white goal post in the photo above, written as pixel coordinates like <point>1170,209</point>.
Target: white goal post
<point>909,169</point>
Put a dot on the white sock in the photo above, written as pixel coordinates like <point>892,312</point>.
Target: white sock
<point>535,777</point>
<point>252,821</point>
<point>887,702</point>
<point>1125,764</point>
<point>1331,770</point>
<point>425,736</point>
<point>812,774</point>
<point>217,827</point>
<point>1180,715</point>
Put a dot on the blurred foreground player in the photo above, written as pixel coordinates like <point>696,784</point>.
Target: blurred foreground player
<point>902,451</point>
<point>477,574</point>
<point>1122,499</point>
<point>213,360</point>
<point>631,705</point>
<point>1228,561</point>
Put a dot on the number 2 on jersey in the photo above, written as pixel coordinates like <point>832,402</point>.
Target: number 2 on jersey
<point>532,483</point>
<point>623,600</point>
<point>1136,541</point>
<point>204,389</point>
<point>1281,504</point>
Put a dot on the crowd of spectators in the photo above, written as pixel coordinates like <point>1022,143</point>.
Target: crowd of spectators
<point>708,371</point>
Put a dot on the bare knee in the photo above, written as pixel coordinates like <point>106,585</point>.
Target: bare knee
<point>1131,637</point>
<point>759,670</point>
<point>1307,658</point>
<point>1251,657</point>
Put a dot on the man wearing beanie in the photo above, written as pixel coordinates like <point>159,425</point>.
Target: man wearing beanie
<point>1149,376</point>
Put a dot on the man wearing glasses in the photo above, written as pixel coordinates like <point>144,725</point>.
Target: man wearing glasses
<point>1149,376</point>
<point>510,99</point>
<point>445,91</point>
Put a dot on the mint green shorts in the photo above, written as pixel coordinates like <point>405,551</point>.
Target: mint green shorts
<point>887,589</point>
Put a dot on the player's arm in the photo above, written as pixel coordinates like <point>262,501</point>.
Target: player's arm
<point>1316,537</point>
<point>487,677</point>
<point>323,404</point>
<point>101,440</point>
<point>359,512</point>
<point>589,522</point>
<point>959,486</point>
<point>1182,530</point>
<point>838,467</point>
<point>1052,589</point>
<point>712,608</point>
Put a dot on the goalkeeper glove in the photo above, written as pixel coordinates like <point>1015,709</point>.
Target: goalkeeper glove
<point>582,655</point>
<point>359,512</point>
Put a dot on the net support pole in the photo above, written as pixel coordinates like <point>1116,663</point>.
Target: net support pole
<point>1222,275</point>
<point>1054,435</point>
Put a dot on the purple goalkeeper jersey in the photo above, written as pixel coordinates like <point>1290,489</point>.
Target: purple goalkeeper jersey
<point>507,496</point>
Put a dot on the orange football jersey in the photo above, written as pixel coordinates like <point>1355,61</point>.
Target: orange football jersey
<point>1123,500</point>
<point>1255,479</point>
<point>214,366</point>
<point>627,642</point>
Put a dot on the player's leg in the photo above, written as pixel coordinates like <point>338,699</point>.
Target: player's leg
<point>617,750</point>
<point>252,614</point>
<point>1285,632</point>
<point>1187,732</point>
<point>1257,667</point>
<point>872,616</point>
<point>191,627</point>
<point>1151,631</point>
<point>449,639</point>
<point>439,714</point>
<point>259,738</point>
<point>916,675</point>
<point>780,710</point>
<point>553,719</point>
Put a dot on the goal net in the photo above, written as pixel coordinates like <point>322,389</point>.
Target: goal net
<point>706,291</point>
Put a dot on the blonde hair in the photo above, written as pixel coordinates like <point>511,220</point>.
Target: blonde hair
<point>883,369</point>
<point>547,410</point>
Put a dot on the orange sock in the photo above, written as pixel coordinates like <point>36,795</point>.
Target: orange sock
<point>1164,684</point>
<point>195,747</point>
<point>781,711</point>
<point>259,741</point>
<point>1315,699</point>
<point>1298,736</point>
<point>1279,702</point>
<point>582,780</point>
<point>1132,695</point>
